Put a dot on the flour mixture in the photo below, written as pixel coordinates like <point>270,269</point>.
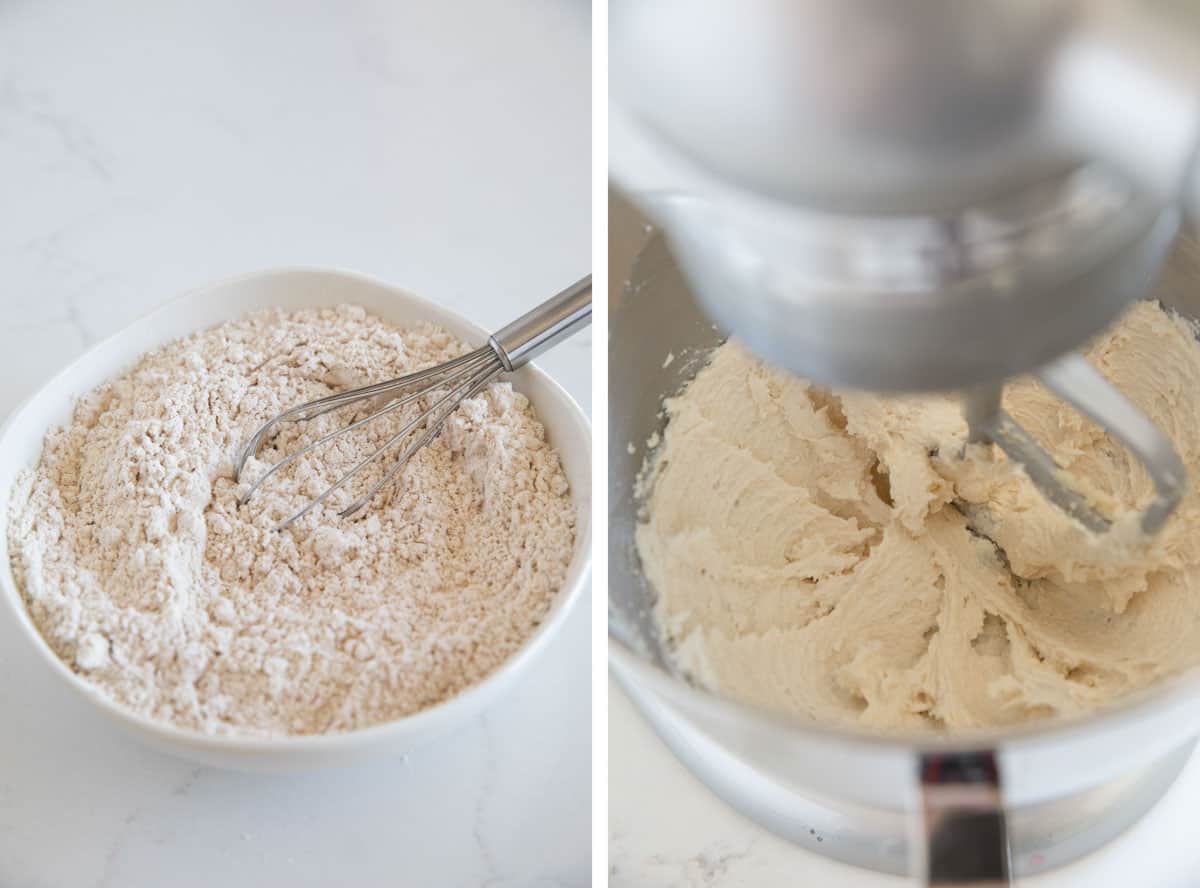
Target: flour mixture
<point>146,577</point>
<point>811,553</point>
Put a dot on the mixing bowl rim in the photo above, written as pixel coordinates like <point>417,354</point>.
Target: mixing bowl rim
<point>1139,706</point>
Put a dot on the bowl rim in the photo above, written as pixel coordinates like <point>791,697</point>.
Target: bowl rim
<point>474,698</point>
<point>1138,707</point>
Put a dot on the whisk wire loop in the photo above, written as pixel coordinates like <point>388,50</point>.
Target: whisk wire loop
<point>460,378</point>
<point>454,397</point>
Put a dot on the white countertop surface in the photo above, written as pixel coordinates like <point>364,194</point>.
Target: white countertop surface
<point>667,829</point>
<point>444,147</point>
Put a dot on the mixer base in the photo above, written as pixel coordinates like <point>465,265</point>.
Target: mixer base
<point>1044,837</point>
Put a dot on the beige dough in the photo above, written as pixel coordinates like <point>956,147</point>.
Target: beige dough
<point>809,557</point>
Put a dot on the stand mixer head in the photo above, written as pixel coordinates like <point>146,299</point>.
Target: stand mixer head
<point>919,195</point>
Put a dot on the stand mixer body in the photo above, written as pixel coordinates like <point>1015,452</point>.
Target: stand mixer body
<point>908,195</point>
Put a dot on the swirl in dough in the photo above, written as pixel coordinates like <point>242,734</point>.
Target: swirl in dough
<point>810,552</point>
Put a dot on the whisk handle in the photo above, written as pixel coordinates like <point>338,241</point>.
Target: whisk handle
<point>547,325</point>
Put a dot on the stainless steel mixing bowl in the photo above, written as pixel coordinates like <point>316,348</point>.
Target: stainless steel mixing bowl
<point>1066,787</point>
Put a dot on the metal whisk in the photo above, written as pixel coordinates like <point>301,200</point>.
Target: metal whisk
<point>464,377</point>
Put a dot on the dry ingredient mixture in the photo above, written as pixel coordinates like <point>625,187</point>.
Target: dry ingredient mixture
<point>146,577</point>
<point>811,553</point>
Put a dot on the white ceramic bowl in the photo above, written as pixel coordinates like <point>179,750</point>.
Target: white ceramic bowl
<point>293,288</point>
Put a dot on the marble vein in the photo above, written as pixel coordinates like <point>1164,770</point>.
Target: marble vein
<point>492,877</point>
<point>74,137</point>
<point>111,860</point>
<point>708,868</point>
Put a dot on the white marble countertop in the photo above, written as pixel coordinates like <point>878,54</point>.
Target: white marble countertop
<point>148,148</point>
<point>667,829</point>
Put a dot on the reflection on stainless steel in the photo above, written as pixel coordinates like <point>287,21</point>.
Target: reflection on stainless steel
<point>965,832</point>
